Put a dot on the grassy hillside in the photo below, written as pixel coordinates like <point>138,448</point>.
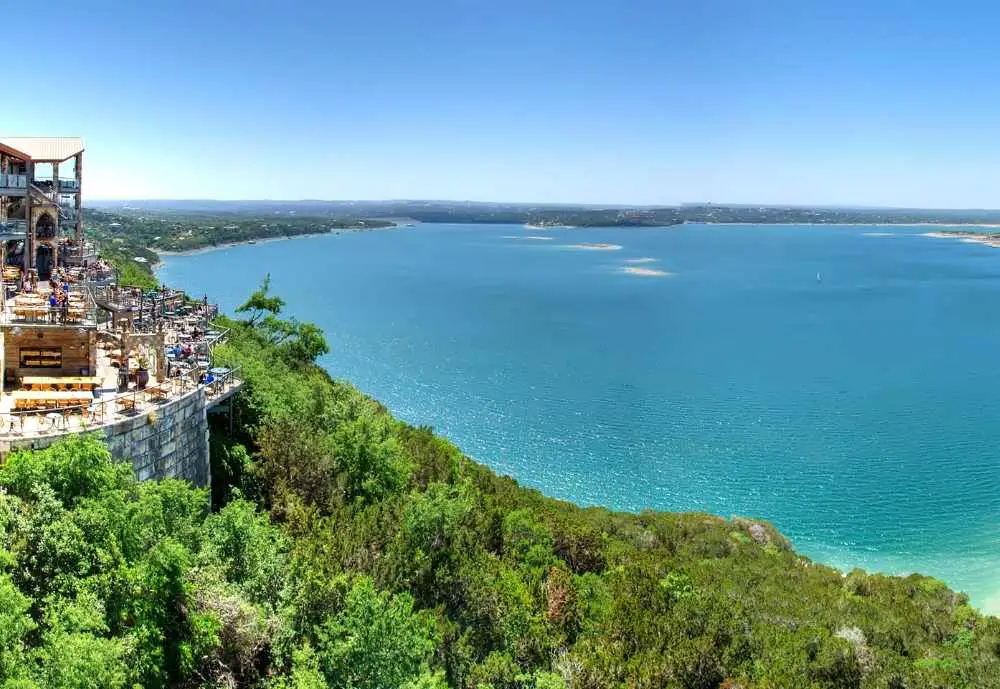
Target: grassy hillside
<point>349,549</point>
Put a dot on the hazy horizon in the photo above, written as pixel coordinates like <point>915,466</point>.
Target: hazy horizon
<point>550,204</point>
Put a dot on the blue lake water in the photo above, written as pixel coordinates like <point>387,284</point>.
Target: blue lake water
<point>839,382</point>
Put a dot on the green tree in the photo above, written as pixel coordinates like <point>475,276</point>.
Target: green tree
<point>170,635</point>
<point>15,625</point>
<point>375,641</point>
<point>131,275</point>
<point>261,305</point>
<point>74,653</point>
<point>250,551</point>
<point>77,468</point>
<point>305,672</point>
<point>370,458</point>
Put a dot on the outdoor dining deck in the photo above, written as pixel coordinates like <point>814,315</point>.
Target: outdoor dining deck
<point>33,306</point>
<point>26,413</point>
<point>137,352</point>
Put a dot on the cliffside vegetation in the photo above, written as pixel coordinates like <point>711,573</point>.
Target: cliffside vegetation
<point>349,549</point>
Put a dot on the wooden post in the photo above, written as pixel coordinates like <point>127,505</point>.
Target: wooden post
<point>92,345</point>
<point>123,361</point>
<point>161,357</point>
<point>78,231</point>
<point>55,197</point>
<point>29,238</point>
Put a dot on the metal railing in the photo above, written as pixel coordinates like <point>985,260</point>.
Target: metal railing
<point>13,181</point>
<point>13,227</point>
<point>216,334</point>
<point>150,311</point>
<point>44,189</point>
<point>106,410</point>
<point>50,315</point>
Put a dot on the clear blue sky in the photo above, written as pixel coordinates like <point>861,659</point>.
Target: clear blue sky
<point>869,103</point>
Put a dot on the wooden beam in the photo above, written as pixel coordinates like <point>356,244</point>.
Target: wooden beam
<point>13,152</point>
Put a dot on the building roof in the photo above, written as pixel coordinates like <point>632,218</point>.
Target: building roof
<point>20,155</point>
<point>44,149</point>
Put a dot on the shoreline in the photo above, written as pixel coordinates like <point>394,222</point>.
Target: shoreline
<point>990,240</point>
<point>263,240</point>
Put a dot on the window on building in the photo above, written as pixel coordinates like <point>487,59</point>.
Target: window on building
<point>41,357</point>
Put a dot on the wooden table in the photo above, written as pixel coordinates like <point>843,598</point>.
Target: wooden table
<point>37,399</point>
<point>160,392</point>
<point>51,383</point>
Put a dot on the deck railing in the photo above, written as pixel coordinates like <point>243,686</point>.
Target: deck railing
<point>13,227</point>
<point>13,181</point>
<point>49,315</point>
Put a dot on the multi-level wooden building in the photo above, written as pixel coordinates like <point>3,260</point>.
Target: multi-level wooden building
<point>80,354</point>
<point>41,212</point>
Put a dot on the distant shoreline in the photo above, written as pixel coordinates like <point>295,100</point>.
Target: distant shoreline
<point>990,240</point>
<point>263,240</point>
<point>850,224</point>
<point>972,237</point>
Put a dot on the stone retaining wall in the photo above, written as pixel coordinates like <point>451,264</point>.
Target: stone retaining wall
<point>170,441</point>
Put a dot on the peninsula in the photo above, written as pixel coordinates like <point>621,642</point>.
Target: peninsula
<point>988,238</point>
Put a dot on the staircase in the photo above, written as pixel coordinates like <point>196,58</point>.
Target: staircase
<point>42,196</point>
<point>49,198</point>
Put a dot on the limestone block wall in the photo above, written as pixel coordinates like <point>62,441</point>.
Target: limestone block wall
<point>169,442</point>
<point>172,442</point>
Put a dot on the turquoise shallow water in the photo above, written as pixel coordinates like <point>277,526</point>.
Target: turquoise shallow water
<point>859,413</point>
